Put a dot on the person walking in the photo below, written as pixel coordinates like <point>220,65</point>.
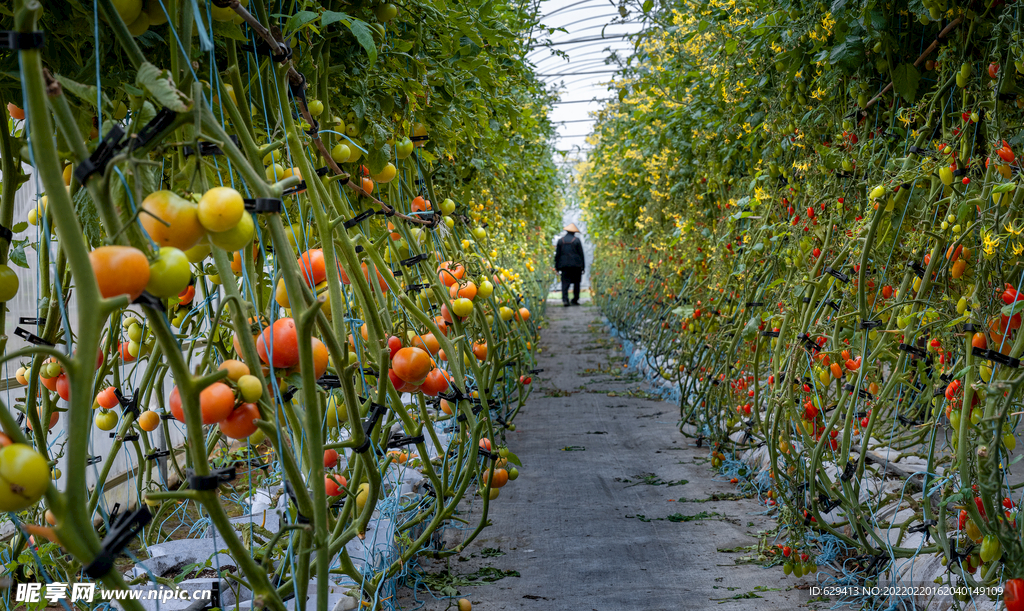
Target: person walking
<point>570,263</point>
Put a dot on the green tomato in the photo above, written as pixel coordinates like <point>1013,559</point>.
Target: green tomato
<point>484,289</point>
<point>479,233</point>
<point>169,274</point>
<point>8,283</point>
<point>24,477</point>
<point>106,420</point>
<point>447,207</point>
<point>316,108</point>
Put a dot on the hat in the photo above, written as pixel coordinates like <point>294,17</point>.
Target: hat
<point>572,227</point>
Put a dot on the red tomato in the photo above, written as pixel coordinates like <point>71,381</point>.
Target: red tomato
<point>313,267</point>
<point>241,422</point>
<point>394,345</point>
<point>1013,594</point>
<point>437,381</point>
<point>280,341</point>
<point>63,387</point>
<point>334,484</point>
<point>400,384</point>
<point>106,398</point>
<point>330,459</point>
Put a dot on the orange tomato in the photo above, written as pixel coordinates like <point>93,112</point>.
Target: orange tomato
<point>313,267</point>
<point>480,351</point>
<point>235,369</point>
<point>411,365</point>
<point>419,204</point>
<point>106,398</point>
<point>428,342</point>
<point>450,273</point>
<point>16,113</point>
<point>320,358</point>
<point>499,480</point>
<point>978,341</point>
<point>366,274</point>
<point>467,290</point>
<point>120,270</point>
<point>438,381</point>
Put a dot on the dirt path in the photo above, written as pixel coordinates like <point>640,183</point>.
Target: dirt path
<point>614,509</point>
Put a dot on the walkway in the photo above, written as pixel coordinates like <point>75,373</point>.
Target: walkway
<point>614,509</point>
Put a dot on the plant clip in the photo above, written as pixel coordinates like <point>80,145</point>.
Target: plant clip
<point>329,381</point>
<point>161,121</point>
<point>262,48</point>
<point>21,41</point>
<point>167,416</point>
<point>355,220</point>
<point>833,305</point>
<point>132,437</point>
<point>870,324</point>
<point>920,151</point>
<point>454,395</point>
<point>157,454</point>
<point>755,304</point>
<point>840,276</point>
<point>806,299</point>
<point>130,405</point>
<point>397,273</point>
<point>876,564</point>
<point>149,301</point>
<point>24,320</point>
<point>917,268</point>
<point>534,371</point>
<point>264,205</point>
<point>940,391</point>
<point>914,352</point>
<point>93,460</point>
<point>211,481</point>
<point>843,174</point>
<point>970,327</point>
<point>398,442</point>
<point>288,394</point>
<point>960,172</point>
<point>979,352</point>
<point>207,149</point>
<point>31,337</point>
<point>6,233</point>
<point>808,342</point>
<point>97,162</point>
<point>863,394</point>
<point>296,189</point>
<point>413,288</point>
<point>826,504</point>
<point>488,454</point>
<point>849,470</point>
<point>955,556</point>
<point>376,412</point>
<point>119,533</point>
<point>298,88</point>
<point>1002,359</point>
<point>415,259</point>
<point>769,333</point>
<point>908,421</point>
<point>370,371</point>
<point>299,518</point>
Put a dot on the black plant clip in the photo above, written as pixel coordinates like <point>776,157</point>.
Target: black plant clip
<point>863,394</point>
<point>849,470</point>
<point>362,216</point>
<point>299,518</point>
<point>924,527</point>
<point>413,288</point>
<point>97,162</point>
<point>398,442</point>
<point>979,352</point>
<point>329,381</point>
<point>917,268</point>
<point>488,454</point>
<point>908,421</point>
<point>1002,359</point>
<point>211,481</point>
<point>914,352</point>
<point>93,460</point>
<point>149,301</point>
<point>264,205</point>
<point>163,119</point>
<point>920,151</point>
<point>969,327</point>
<point>262,48</point>
<point>833,305</point>
<point>769,333</point>
<point>376,412</point>
<point>870,324</point>
<point>826,504</point>
<point>130,405</point>
<point>22,41</point>
<point>132,437</point>
<point>808,342</point>
<point>24,320</point>
<point>31,337</point>
<point>955,556</point>
<point>157,454</point>
<point>838,275</point>
<point>167,416</point>
<point>755,304</point>
<point>941,390</point>
<point>120,532</point>
<point>207,149</point>
<point>415,259</point>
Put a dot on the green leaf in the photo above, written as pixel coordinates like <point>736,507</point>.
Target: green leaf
<point>1003,188</point>
<point>703,25</point>
<point>330,17</point>
<point>1013,308</point>
<point>905,79</point>
<point>512,458</point>
<point>648,5</point>
<point>377,159</point>
<point>17,253</point>
<point>296,21</point>
<point>849,53</point>
<point>361,31</point>
<point>19,227</point>
<point>730,47</point>
<point>86,93</point>
<point>227,29</point>
<point>158,85</point>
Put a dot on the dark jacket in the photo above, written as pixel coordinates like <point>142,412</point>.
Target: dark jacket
<point>569,252</point>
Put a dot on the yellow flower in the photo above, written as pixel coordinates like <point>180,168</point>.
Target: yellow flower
<point>1017,248</point>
